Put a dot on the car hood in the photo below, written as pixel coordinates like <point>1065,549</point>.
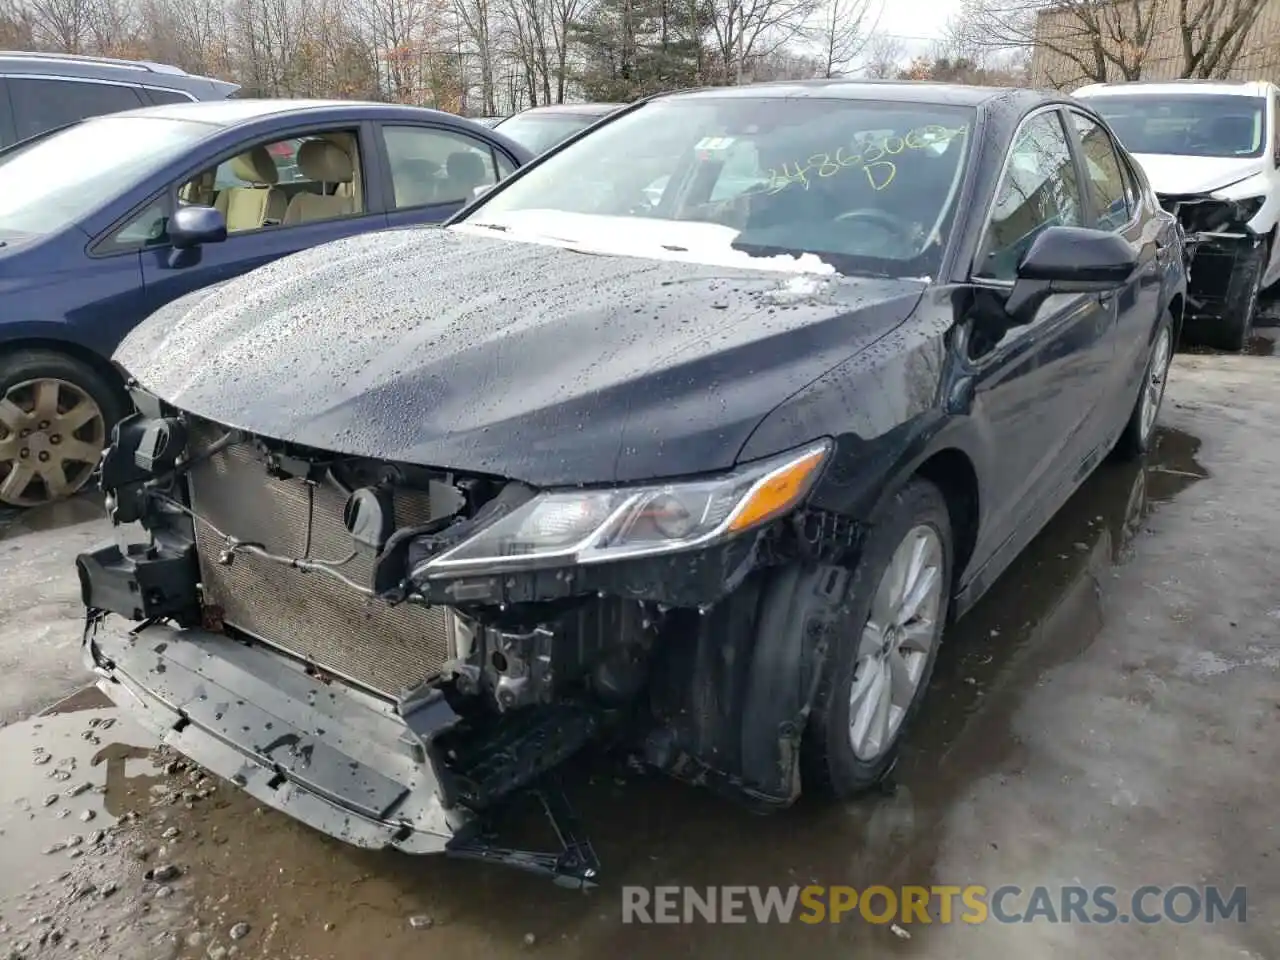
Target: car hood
<point>517,359</point>
<point>1179,176</point>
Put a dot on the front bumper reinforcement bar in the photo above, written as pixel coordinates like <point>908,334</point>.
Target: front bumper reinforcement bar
<point>341,762</point>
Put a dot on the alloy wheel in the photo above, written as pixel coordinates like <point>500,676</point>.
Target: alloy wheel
<point>51,437</point>
<point>1157,375</point>
<point>896,642</point>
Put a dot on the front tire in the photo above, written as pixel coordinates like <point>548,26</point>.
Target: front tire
<point>1240,309</point>
<point>884,645</point>
<point>56,414</point>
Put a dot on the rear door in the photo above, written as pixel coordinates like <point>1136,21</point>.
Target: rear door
<point>1037,387</point>
<point>1116,204</point>
<point>429,172</point>
<point>42,103</point>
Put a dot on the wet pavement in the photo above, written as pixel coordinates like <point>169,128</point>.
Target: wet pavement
<point>1105,715</point>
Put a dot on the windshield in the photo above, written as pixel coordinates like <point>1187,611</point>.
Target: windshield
<point>60,179</point>
<point>847,186</point>
<point>1200,125</point>
<point>538,132</point>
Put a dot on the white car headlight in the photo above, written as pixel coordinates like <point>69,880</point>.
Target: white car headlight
<point>569,527</point>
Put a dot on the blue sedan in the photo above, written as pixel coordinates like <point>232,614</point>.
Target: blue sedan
<point>106,220</point>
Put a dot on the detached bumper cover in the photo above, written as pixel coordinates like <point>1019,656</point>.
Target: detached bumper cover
<point>344,764</point>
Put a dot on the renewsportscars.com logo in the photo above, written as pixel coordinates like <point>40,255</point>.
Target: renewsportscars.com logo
<point>944,904</point>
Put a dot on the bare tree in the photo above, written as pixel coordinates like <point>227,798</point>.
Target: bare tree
<point>476,21</point>
<point>562,15</point>
<point>1213,34</point>
<point>882,56</point>
<point>16,28</point>
<point>527,36</point>
<point>843,29</point>
<point>1097,40</point>
<point>62,25</point>
<point>750,29</point>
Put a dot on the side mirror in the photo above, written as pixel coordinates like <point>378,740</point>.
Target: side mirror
<point>481,190</point>
<point>192,226</point>
<point>1069,260</point>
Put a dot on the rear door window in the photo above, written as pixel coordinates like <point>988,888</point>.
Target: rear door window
<point>431,165</point>
<point>42,104</point>
<point>1104,174</point>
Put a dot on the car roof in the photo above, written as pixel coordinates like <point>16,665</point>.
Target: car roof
<point>1239,88</point>
<point>904,91</point>
<point>146,72</point>
<point>226,113</point>
<point>587,109</point>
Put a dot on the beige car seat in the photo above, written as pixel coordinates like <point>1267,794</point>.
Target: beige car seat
<point>346,142</point>
<point>325,162</point>
<point>250,208</point>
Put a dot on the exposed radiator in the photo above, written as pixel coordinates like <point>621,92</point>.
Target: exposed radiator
<point>309,615</point>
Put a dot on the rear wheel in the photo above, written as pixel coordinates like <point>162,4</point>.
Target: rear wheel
<point>56,414</point>
<point>1141,428</point>
<point>884,645</point>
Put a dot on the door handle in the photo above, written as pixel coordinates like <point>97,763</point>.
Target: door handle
<point>1106,298</point>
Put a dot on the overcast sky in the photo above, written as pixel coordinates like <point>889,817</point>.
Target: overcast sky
<point>916,22</point>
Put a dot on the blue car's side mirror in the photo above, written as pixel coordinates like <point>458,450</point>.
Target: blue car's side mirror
<point>192,226</point>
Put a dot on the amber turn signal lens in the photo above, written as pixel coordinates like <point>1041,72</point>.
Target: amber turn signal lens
<point>778,492</point>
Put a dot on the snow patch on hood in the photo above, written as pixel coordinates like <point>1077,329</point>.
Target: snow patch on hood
<point>708,244</point>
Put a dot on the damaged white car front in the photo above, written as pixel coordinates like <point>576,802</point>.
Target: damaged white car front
<point>1212,154</point>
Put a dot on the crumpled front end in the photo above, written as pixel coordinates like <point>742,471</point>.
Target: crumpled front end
<point>390,653</point>
<point>1220,243</point>
<point>255,720</point>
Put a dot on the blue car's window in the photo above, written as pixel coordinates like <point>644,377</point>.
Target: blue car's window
<point>430,165</point>
<point>284,155</point>
<point>52,183</point>
<point>280,184</point>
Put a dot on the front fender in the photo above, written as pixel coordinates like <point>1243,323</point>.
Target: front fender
<point>16,333</point>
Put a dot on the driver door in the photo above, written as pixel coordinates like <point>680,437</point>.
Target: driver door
<point>1038,385</point>
<point>297,212</point>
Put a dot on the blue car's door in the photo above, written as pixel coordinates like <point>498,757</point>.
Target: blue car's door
<point>432,170</point>
<point>278,198</point>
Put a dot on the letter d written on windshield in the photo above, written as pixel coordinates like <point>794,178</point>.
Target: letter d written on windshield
<point>875,160</point>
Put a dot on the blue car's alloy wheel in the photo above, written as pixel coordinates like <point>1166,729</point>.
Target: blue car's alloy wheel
<point>52,432</point>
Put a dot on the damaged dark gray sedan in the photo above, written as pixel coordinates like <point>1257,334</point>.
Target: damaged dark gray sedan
<point>690,438</point>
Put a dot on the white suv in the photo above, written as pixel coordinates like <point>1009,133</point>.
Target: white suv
<point>1212,154</point>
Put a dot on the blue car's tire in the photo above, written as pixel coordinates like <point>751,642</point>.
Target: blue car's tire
<point>56,415</point>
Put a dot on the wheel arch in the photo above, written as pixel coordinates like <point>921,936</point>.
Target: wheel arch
<point>952,471</point>
<point>90,358</point>
<point>949,457</point>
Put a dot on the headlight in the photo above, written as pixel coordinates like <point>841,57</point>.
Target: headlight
<point>588,526</point>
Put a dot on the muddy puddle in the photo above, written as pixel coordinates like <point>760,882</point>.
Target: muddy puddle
<point>287,892</point>
<point>51,516</point>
